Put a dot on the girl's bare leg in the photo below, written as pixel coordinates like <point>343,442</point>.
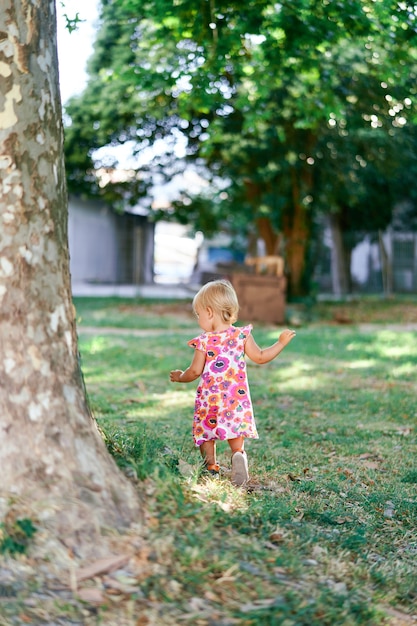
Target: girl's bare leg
<point>208,452</point>
<point>236,445</point>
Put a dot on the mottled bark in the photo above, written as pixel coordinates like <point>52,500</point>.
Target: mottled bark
<point>51,451</point>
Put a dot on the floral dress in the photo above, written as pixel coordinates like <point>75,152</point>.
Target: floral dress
<point>223,407</point>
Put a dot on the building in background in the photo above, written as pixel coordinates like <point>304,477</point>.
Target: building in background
<point>108,247</point>
<point>175,253</point>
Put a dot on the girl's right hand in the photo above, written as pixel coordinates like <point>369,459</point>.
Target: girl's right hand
<point>175,376</point>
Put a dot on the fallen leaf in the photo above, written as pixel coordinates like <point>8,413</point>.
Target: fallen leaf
<point>346,472</point>
<point>210,596</point>
<point>257,605</point>
<point>318,551</point>
<point>185,469</point>
<point>102,566</point>
<point>299,517</point>
<point>141,386</point>
<point>402,617</point>
<point>343,520</point>
<point>405,431</point>
<point>228,573</point>
<point>280,571</point>
<point>92,595</point>
<point>371,465</point>
<point>114,586</point>
<point>294,478</point>
<point>389,509</point>
<point>197,604</point>
<point>277,536</point>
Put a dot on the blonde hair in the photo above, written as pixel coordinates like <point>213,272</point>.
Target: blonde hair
<point>221,297</point>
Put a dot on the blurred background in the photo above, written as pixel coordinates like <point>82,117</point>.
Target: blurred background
<point>278,142</point>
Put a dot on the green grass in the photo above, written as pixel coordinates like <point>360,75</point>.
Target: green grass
<point>328,532</point>
<point>136,313</point>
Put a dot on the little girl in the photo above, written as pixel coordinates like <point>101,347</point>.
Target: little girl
<point>223,407</point>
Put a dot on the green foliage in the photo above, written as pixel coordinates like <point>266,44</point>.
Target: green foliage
<point>72,23</point>
<point>15,536</point>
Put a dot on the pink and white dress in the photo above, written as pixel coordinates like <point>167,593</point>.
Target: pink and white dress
<point>223,406</point>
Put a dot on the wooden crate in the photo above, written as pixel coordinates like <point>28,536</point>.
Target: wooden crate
<point>261,298</point>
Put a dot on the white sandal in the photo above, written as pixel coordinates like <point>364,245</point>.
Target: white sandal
<point>240,473</point>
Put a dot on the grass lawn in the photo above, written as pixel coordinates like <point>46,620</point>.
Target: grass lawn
<point>326,534</point>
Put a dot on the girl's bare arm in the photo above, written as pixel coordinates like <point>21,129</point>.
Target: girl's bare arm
<point>259,355</point>
<point>193,371</point>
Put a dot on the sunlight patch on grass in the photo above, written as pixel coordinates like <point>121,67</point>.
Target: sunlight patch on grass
<point>178,399</point>
<point>221,493</point>
<point>307,382</point>
<point>393,344</point>
<point>399,351</point>
<point>111,379</point>
<point>404,370</point>
<point>97,344</point>
<point>280,374</point>
<point>380,425</point>
<point>361,364</point>
<point>302,383</point>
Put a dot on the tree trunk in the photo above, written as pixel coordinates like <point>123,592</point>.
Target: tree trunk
<point>268,235</point>
<point>340,258</point>
<point>51,455</point>
<point>265,229</point>
<point>297,236</point>
<point>296,231</point>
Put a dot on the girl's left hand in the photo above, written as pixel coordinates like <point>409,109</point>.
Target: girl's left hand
<point>286,336</point>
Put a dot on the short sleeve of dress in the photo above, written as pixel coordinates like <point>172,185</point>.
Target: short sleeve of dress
<point>198,343</point>
<point>246,330</point>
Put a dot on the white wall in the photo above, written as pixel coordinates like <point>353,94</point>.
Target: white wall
<point>92,242</point>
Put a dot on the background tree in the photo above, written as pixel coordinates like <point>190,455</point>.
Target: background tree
<point>54,464</point>
<point>258,95</point>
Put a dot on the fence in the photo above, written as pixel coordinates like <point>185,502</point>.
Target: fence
<point>380,263</point>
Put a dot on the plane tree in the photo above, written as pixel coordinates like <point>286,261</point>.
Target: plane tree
<point>266,103</point>
<point>55,469</point>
